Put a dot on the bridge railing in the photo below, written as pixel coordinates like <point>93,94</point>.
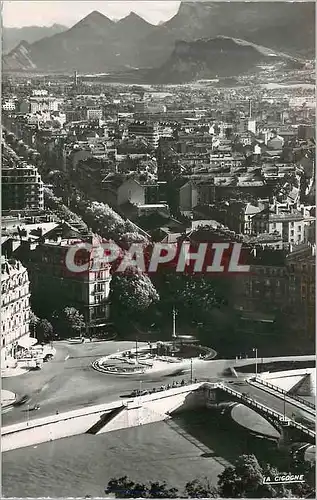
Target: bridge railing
<point>279,416</point>
<point>282,391</point>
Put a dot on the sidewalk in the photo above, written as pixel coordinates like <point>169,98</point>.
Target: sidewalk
<point>287,397</point>
<point>7,398</point>
<point>13,372</point>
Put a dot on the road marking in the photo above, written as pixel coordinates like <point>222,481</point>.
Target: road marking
<point>45,386</point>
<point>67,357</point>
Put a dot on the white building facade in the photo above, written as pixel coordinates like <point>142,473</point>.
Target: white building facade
<point>15,310</point>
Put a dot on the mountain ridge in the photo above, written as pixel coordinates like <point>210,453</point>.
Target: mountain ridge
<point>99,44</point>
<point>212,58</point>
<point>11,37</point>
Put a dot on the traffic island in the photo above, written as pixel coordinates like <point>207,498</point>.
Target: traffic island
<point>157,357</point>
<point>8,398</point>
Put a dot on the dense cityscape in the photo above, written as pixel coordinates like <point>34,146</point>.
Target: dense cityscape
<point>217,160</point>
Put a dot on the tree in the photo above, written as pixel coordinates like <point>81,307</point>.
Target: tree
<point>44,330</point>
<point>194,296</point>
<point>105,220</point>
<point>246,479</point>
<point>56,204</point>
<point>33,322</point>
<point>161,490</point>
<point>201,489</point>
<point>68,322</point>
<point>133,291</point>
<point>123,487</point>
<point>308,469</point>
<point>133,237</point>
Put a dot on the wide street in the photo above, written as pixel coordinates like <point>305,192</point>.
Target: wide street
<point>68,382</point>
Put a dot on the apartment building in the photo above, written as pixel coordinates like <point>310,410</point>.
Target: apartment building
<point>94,114</point>
<point>15,310</point>
<point>291,226</point>
<point>148,131</point>
<point>43,104</point>
<point>22,188</point>
<point>302,287</point>
<point>193,193</point>
<point>50,275</point>
<point>9,105</point>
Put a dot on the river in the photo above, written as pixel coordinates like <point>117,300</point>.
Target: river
<point>196,444</point>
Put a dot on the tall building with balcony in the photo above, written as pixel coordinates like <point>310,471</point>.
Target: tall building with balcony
<point>150,132</point>
<point>15,310</point>
<point>302,289</point>
<point>22,188</point>
<point>276,300</point>
<point>55,285</point>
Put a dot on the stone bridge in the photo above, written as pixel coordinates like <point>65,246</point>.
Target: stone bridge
<point>147,409</point>
<point>288,427</point>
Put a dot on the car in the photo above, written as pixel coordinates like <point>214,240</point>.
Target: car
<point>23,400</point>
<point>47,357</point>
<point>134,393</point>
<point>35,407</point>
<point>138,392</point>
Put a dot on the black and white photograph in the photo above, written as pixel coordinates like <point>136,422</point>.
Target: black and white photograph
<point>158,246</point>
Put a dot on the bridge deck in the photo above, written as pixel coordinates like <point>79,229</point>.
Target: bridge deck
<point>268,402</point>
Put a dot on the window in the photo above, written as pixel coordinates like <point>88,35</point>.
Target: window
<point>299,229</point>
<point>292,232</point>
<point>292,224</point>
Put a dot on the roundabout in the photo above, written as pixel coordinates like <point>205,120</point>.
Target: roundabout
<point>155,357</point>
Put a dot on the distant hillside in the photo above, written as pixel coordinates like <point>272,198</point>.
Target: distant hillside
<point>210,58</point>
<point>93,44</point>
<point>283,26</point>
<point>11,37</point>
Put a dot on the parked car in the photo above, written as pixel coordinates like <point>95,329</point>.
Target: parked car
<point>137,392</point>
<point>47,357</point>
<point>34,408</point>
<point>22,400</point>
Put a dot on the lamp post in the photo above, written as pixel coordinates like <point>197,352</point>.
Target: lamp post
<point>174,336</point>
<point>191,370</point>
<point>136,350</point>
<point>284,406</point>
<point>255,350</point>
<point>174,324</point>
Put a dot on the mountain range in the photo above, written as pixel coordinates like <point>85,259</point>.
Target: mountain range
<point>98,44</point>
<point>11,37</point>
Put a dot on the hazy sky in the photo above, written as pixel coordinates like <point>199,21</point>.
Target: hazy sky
<point>40,13</point>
